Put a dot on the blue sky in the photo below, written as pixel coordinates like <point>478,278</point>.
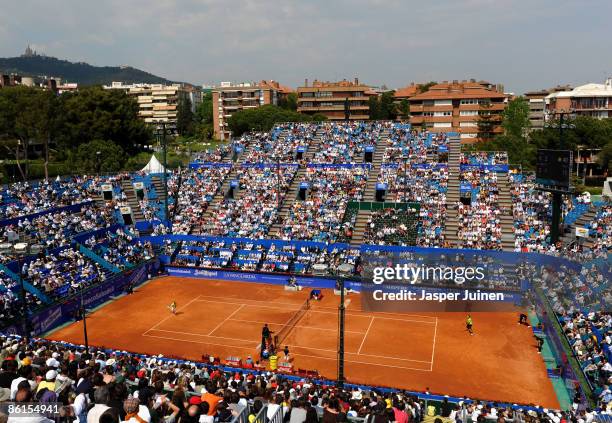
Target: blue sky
<point>524,45</point>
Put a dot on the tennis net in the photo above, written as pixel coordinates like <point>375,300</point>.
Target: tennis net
<point>282,334</point>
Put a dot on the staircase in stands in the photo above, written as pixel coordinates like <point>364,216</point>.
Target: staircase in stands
<point>291,197</point>
<point>453,193</point>
<point>506,217</point>
<point>363,216</point>
<point>128,188</point>
<point>570,232</point>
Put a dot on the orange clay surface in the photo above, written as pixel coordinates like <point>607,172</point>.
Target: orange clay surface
<point>410,351</point>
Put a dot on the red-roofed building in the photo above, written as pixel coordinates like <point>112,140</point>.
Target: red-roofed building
<point>457,106</point>
<point>328,98</point>
<point>230,98</point>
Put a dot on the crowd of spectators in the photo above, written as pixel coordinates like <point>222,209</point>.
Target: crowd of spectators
<point>62,273</point>
<point>590,336</point>
<point>23,198</point>
<point>54,230</point>
<point>319,217</point>
<point>280,144</point>
<point>107,386</point>
<point>197,190</point>
<point>120,249</point>
<point>480,216</point>
<point>346,142</point>
<point>255,206</point>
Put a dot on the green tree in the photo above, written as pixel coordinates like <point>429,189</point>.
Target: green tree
<point>515,118</point>
<point>388,108</point>
<point>604,158</point>
<point>425,87</point>
<point>99,156</point>
<point>98,114</point>
<point>26,116</point>
<point>375,110</point>
<point>288,102</point>
<point>185,119</point>
<point>403,109</point>
<point>263,119</point>
<point>485,122</point>
<point>204,126</point>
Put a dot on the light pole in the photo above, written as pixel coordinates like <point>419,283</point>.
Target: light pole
<point>98,164</point>
<point>557,196</point>
<point>83,312</point>
<point>341,321</point>
<point>22,250</point>
<point>161,136</point>
<point>278,186</point>
<point>405,157</point>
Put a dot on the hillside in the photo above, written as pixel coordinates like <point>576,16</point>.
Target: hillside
<point>81,73</point>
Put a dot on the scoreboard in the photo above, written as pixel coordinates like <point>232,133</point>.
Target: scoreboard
<point>554,169</point>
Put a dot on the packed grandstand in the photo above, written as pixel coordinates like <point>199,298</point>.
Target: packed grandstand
<point>302,199</point>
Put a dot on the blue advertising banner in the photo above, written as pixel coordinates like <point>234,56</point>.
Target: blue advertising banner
<point>338,165</point>
<point>369,149</point>
<point>267,165</point>
<point>301,149</point>
<point>381,187</point>
<point>269,278</point>
<point>198,165</point>
<point>502,168</point>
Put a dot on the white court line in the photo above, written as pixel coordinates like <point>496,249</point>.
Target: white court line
<point>252,305</point>
<point>200,342</point>
<point>294,354</point>
<point>361,355</point>
<point>362,362</point>
<point>173,315</point>
<point>317,311</point>
<point>226,319</point>
<point>347,302</point>
<point>297,326</point>
<point>433,348</point>
<point>202,335</point>
<point>365,335</point>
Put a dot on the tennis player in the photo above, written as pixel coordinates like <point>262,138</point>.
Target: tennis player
<point>172,307</point>
<point>469,324</point>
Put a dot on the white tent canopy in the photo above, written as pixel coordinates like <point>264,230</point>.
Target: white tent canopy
<point>154,166</point>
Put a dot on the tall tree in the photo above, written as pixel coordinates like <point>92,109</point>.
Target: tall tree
<point>98,114</point>
<point>204,128</point>
<point>485,121</point>
<point>403,109</point>
<point>288,102</point>
<point>375,111</point>
<point>185,119</point>
<point>26,116</point>
<point>515,118</point>
<point>263,119</point>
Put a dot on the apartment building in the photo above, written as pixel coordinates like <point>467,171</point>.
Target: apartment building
<point>332,99</point>
<point>230,98</point>
<point>537,104</point>
<point>457,106</point>
<point>594,100</point>
<point>159,102</point>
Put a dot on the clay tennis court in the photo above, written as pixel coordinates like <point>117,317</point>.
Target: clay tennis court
<point>411,351</point>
